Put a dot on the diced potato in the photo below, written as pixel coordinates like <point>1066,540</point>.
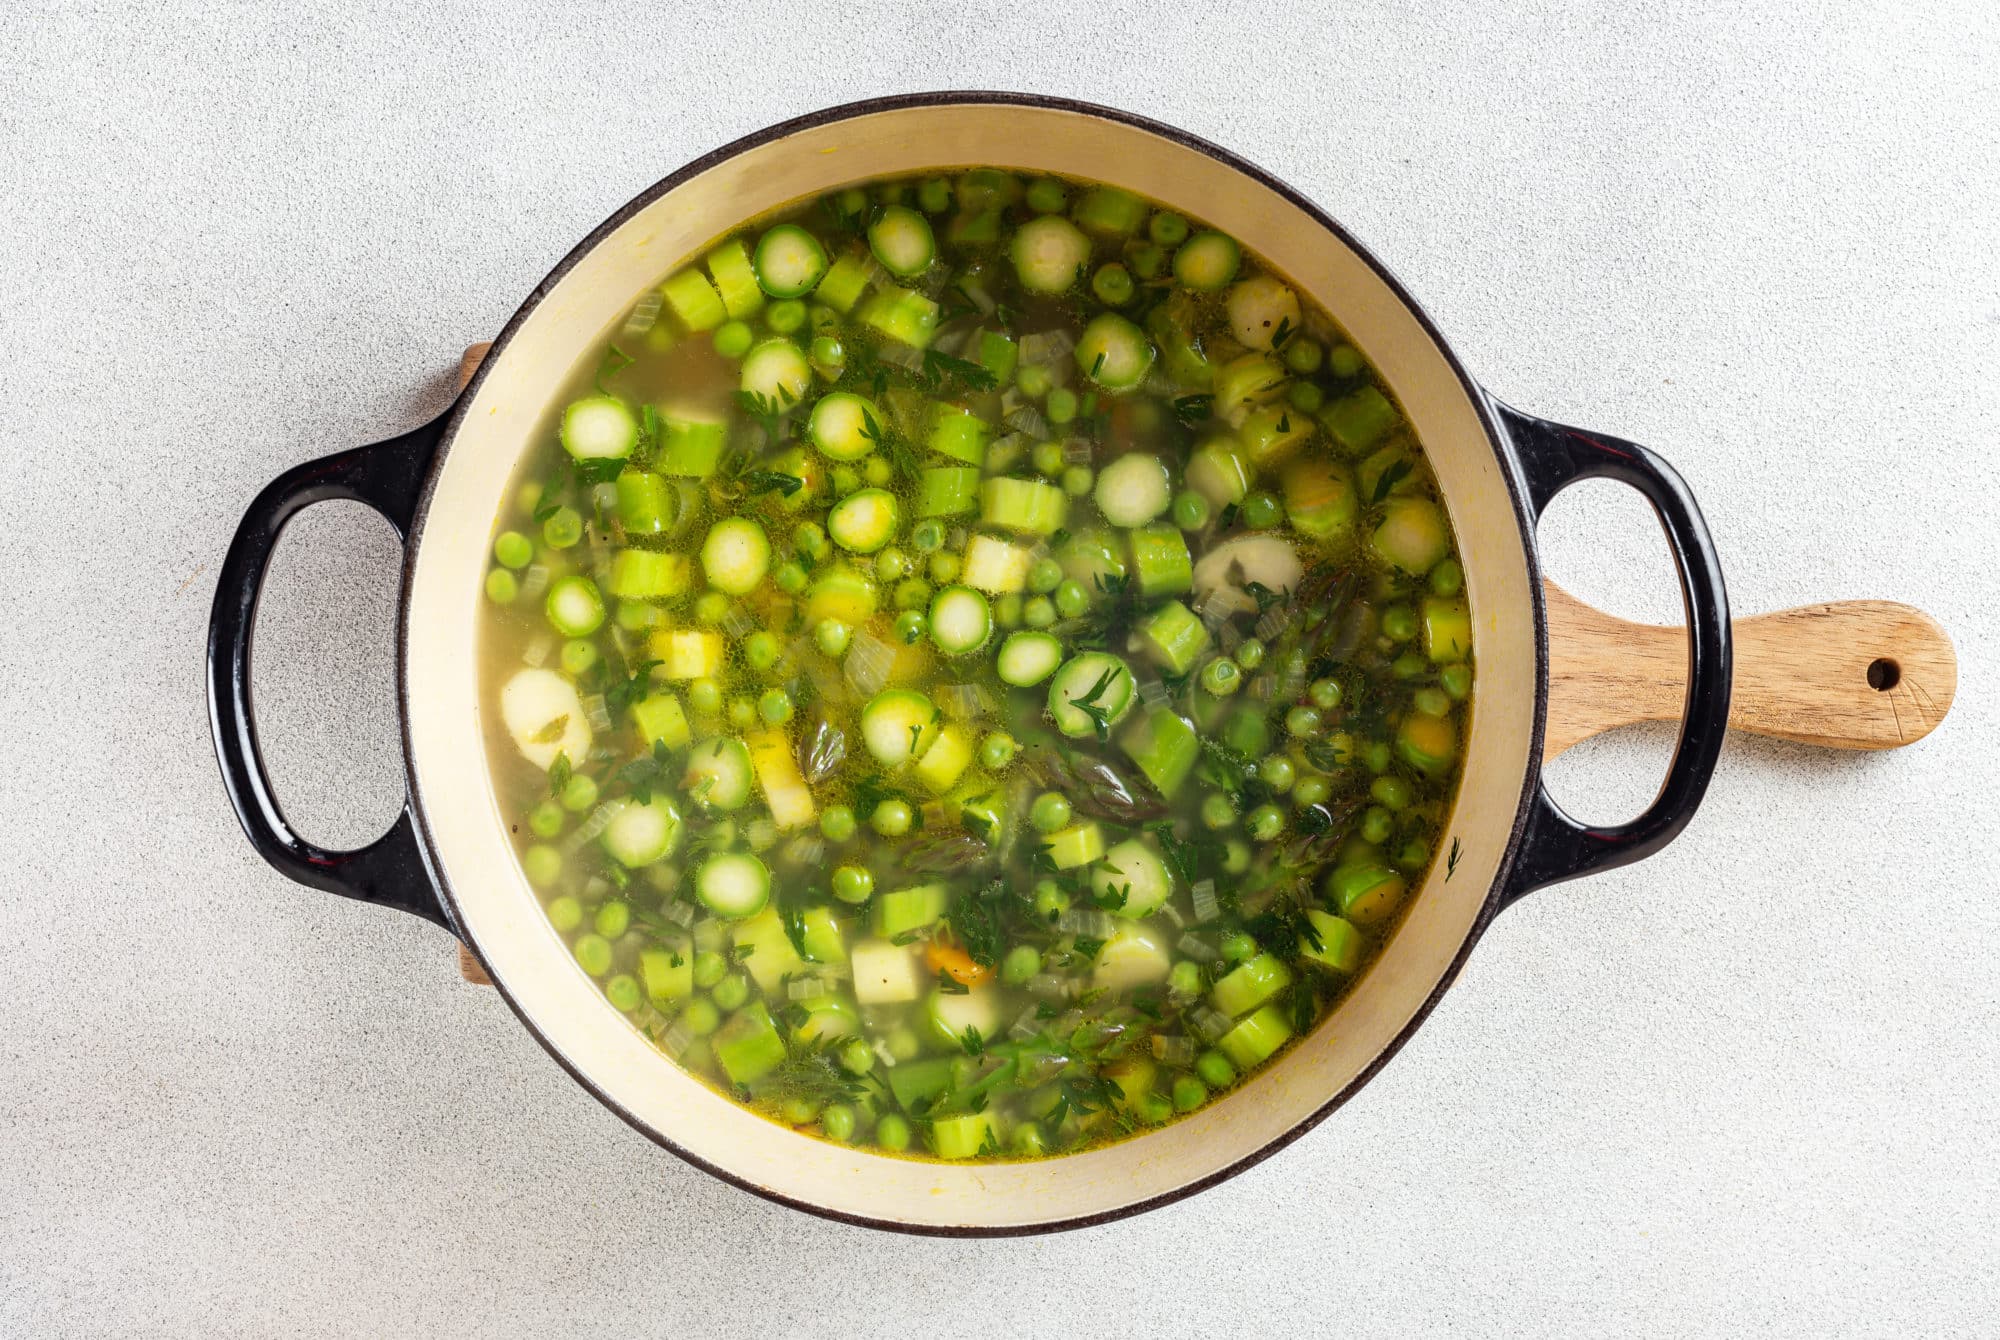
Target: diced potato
<point>946,760</point>
<point>785,791</point>
<point>689,653</point>
<point>994,565</point>
<point>885,973</point>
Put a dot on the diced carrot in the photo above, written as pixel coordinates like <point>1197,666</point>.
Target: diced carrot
<point>950,958</point>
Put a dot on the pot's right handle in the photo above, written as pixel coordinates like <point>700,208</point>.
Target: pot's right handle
<point>388,477</point>
<point>1556,847</point>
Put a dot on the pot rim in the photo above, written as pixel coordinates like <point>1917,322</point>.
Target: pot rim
<point>1498,439</point>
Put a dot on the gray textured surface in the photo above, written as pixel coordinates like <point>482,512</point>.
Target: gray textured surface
<point>1749,1085</point>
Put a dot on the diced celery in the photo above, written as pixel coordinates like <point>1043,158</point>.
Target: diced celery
<point>1359,419</point>
<point>646,574</point>
<point>844,283</point>
<point>688,653</point>
<point>647,503</point>
<point>659,718</point>
<point>1025,506</point>
<point>959,434</point>
<point>961,1137</point>
<point>690,448</point>
<point>1250,984</point>
<point>1256,1039</point>
<point>998,354</point>
<point>735,280</point>
<point>947,490</point>
<point>1273,434</point>
<point>916,1082</point>
<point>1109,212</point>
<point>821,936</point>
<point>901,315</point>
<point>1164,747</point>
<point>694,300</point>
<point>1341,946</point>
<point>1174,637</point>
<point>900,911</point>
<point>770,957</point>
<point>1161,562</point>
<point>1077,845</point>
<point>667,975</point>
<point>1447,629</point>
<point>747,1046</point>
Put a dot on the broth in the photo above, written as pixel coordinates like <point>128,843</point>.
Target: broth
<point>976,665</point>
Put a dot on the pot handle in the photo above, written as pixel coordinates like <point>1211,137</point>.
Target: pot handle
<point>1554,846</point>
<point>388,477</point>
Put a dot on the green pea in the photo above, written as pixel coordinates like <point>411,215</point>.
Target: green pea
<point>1167,228</point>
<point>1235,856</point>
<point>829,355</point>
<point>502,586</point>
<point>623,992</point>
<point>1153,1108</point>
<point>910,627</point>
<point>513,549</point>
<point>579,793</point>
<point>1222,676</point>
<point>1305,397</point>
<point>546,819</point>
<point>1076,480</point>
<point>836,1123</point>
<point>742,711</point>
<point>852,884</point>
<point>1414,854</point>
<point>1051,811</point>
<point>1344,360</point>
<point>709,968</point>
<point>1189,1093</point>
<point>1302,722</point>
<point>1456,680</point>
<point>761,649</point>
<point>1039,612</point>
<point>1191,510</point>
<point>877,471</point>
<point>593,954</point>
<point>1309,791</point>
<point>705,696</point>
<point>1045,195</point>
<point>857,1057</point>
<point>1303,355</point>
<point>927,535</point>
<point>1391,792</point>
<point>945,567</point>
<point>731,992</point>
<point>1325,694</point>
<point>1216,811</point>
<point>786,316</point>
<point>1262,510</point>
<point>563,528</point>
<point>1399,623</point>
<point>1061,406</point>
<point>1007,610</point>
<point>1045,576</point>
<point>997,750</point>
<point>1447,578</point>
<point>846,479</point>
<point>1375,756</point>
<point>1072,601</point>
<point>892,817</point>
<point>565,913</point>
<point>1376,825</point>
<point>1277,773</point>
<point>893,1133</point>
<point>1250,654</point>
<point>734,338</point>
<point>1185,979</point>
<point>791,578</point>
<point>1033,381</point>
<point>613,919</point>
<point>809,540</point>
<point>935,196</point>
<point>542,865</point>
<point>831,636</point>
<point>799,1110</point>
<point>1112,284</point>
<point>1047,458</point>
<point>635,616</point>
<point>1029,1140</point>
<point>701,1017</point>
<point>1410,665</point>
<point>1237,946</point>
<point>1021,963</point>
<point>892,565</point>
<point>775,707</point>
<point>1215,1070</point>
<point>912,593</point>
<point>711,608</point>
<point>1050,900</point>
<point>1265,823</point>
<point>578,656</point>
<point>836,823</point>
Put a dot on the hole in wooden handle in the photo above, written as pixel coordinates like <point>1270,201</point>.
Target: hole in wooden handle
<point>1884,674</point>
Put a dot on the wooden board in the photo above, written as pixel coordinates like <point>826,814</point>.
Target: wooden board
<point>1855,674</point>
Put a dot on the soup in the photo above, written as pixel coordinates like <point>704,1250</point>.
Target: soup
<point>976,666</point>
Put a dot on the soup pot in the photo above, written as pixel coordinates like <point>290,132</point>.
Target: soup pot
<point>449,860</point>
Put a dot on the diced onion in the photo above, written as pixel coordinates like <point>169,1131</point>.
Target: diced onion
<point>600,715</point>
<point>536,653</point>
<point>1205,906</point>
<point>535,580</point>
<point>1195,947</point>
<point>1174,1050</point>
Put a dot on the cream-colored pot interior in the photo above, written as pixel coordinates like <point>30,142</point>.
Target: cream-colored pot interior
<point>498,912</point>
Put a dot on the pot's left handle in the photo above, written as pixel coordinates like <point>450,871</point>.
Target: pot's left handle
<point>388,477</point>
<point>1555,846</point>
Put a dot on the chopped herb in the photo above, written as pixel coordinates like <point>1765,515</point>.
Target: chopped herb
<point>1193,409</point>
<point>552,732</point>
<point>616,360</point>
<point>940,369</point>
<point>1385,483</point>
<point>1097,364</point>
<point>1283,333</point>
<point>950,985</point>
<point>1451,861</point>
<point>1087,947</point>
<point>793,917</point>
<point>559,773</point>
<point>970,1040</point>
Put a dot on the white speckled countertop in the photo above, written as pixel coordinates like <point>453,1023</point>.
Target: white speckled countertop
<point>1747,1086</point>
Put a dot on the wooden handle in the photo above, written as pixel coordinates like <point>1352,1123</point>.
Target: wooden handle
<point>1856,674</point>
